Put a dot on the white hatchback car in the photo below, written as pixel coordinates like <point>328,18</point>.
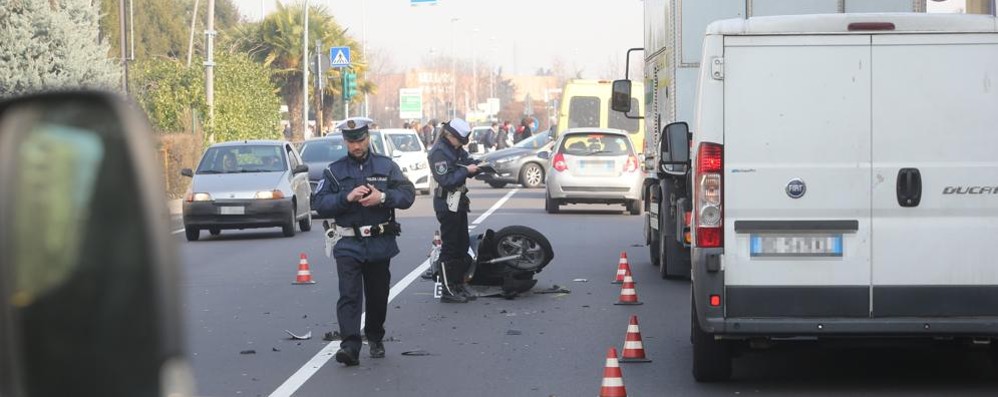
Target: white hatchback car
<point>594,165</point>
<point>405,147</point>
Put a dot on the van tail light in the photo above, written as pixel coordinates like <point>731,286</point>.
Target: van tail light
<point>709,198</point>
<point>632,164</point>
<point>559,162</point>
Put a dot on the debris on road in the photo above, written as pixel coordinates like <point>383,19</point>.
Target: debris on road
<point>514,332</point>
<point>581,280</point>
<point>553,290</point>
<point>275,349</point>
<point>248,352</point>
<point>308,335</point>
<point>416,353</point>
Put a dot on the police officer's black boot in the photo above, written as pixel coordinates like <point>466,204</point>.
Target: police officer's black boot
<point>451,293</point>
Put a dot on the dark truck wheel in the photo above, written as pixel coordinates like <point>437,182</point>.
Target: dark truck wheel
<point>711,357</point>
<point>634,207</point>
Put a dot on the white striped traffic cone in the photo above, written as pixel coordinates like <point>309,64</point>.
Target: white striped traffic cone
<point>304,275</point>
<point>623,268</point>
<point>627,294</point>
<point>634,351</point>
<point>613,379</point>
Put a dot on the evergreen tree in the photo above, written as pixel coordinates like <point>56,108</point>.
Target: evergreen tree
<point>50,45</point>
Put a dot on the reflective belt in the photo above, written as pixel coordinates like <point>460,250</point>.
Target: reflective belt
<point>364,231</point>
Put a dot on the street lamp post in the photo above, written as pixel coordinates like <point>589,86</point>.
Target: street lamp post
<point>304,73</point>
<point>453,70</point>
<point>474,70</point>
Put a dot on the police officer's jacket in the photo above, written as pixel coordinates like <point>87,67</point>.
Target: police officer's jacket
<point>331,201</point>
<point>444,159</point>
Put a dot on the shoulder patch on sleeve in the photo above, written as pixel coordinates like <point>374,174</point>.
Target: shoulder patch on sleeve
<point>440,167</point>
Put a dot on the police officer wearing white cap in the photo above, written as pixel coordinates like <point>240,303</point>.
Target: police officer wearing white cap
<point>452,166</point>
<point>361,192</point>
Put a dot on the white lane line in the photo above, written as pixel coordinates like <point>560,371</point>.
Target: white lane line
<point>178,231</point>
<point>306,371</point>
<point>498,204</point>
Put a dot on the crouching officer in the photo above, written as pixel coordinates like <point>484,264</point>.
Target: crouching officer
<point>451,168</point>
<point>361,191</point>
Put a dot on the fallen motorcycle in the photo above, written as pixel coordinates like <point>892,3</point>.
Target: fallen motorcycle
<point>508,258</point>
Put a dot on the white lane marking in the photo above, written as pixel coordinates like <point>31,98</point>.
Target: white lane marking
<point>498,204</point>
<point>178,231</point>
<point>306,371</point>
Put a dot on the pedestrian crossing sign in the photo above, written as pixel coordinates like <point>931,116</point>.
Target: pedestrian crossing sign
<point>339,57</point>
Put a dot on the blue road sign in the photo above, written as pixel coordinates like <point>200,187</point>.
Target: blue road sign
<point>339,57</point>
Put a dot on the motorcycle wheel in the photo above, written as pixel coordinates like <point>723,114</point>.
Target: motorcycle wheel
<point>534,248</point>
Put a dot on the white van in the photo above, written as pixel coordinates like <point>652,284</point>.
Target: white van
<point>845,182</point>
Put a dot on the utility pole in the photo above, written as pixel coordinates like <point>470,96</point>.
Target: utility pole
<point>304,73</point>
<point>453,71</point>
<point>190,44</point>
<point>209,65</point>
<point>318,87</point>
<point>124,57</point>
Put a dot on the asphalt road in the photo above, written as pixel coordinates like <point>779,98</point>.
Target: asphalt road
<point>240,298</point>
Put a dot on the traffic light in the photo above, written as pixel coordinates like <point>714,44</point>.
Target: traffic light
<point>349,85</point>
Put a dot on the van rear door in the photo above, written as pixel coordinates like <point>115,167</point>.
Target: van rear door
<point>935,131</point>
<point>797,176</point>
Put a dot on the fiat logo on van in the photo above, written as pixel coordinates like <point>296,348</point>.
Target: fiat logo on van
<point>796,188</point>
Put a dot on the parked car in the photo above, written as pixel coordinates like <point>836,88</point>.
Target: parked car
<point>474,146</point>
<point>405,147</point>
<point>317,153</point>
<point>248,184</point>
<point>593,165</point>
<point>520,163</point>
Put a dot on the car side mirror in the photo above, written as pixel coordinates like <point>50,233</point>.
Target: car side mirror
<point>620,96</point>
<point>87,267</point>
<point>544,155</point>
<point>674,156</point>
<point>300,168</point>
<point>187,172</point>
<point>396,154</point>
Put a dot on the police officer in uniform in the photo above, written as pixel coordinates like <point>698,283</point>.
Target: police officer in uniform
<point>361,191</point>
<point>452,166</point>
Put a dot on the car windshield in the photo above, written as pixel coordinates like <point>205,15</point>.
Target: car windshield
<point>377,144</point>
<point>323,150</point>
<point>243,158</point>
<point>535,142</point>
<point>595,144</point>
<point>405,142</point>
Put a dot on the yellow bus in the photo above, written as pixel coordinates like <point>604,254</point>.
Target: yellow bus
<point>586,103</point>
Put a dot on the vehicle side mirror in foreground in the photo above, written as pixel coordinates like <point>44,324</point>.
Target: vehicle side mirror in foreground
<point>88,277</point>
<point>675,154</point>
<point>620,96</point>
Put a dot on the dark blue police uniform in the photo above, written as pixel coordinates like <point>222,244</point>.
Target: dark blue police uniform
<point>362,260</point>
<point>446,164</point>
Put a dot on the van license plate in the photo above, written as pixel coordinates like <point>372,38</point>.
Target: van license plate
<point>230,210</point>
<point>796,246</point>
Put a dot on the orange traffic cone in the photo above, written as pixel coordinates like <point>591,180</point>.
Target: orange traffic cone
<point>634,351</point>
<point>304,275</point>
<point>623,268</point>
<point>613,379</point>
<point>627,294</point>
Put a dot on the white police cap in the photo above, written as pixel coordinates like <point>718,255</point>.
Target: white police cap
<point>459,128</point>
<point>354,128</point>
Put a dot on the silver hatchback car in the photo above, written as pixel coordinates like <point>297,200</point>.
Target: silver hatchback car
<point>248,184</point>
<point>593,165</point>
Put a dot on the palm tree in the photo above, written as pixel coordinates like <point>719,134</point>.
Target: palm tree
<point>276,41</point>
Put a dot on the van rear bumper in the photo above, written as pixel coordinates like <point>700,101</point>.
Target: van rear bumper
<point>868,327</point>
<point>830,311</point>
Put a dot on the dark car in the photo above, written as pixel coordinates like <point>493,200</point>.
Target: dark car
<point>318,153</point>
<point>519,164</point>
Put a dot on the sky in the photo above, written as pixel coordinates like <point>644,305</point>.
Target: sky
<point>518,35</point>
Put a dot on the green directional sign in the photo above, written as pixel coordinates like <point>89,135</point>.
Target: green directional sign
<point>411,103</point>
